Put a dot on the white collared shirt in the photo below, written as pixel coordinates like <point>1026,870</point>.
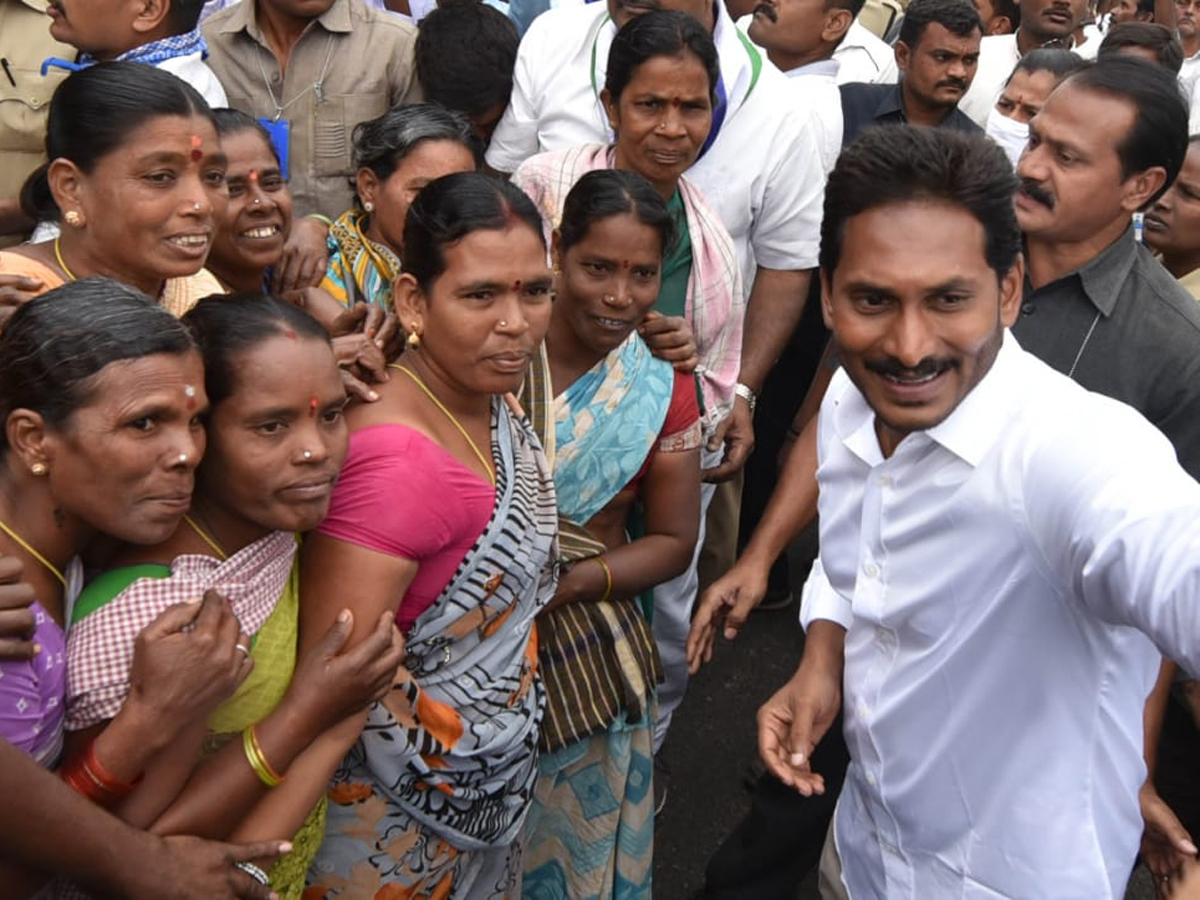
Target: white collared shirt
<point>998,576</point>
<point>762,174</point>
<point>864,57</point>
<point>819,83</point>
<point>998,56</point>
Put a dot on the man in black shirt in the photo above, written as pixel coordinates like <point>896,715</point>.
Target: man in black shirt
<point>936,53</point>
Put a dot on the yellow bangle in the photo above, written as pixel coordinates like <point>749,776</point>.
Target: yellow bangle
<point>607,579</point>
<point>258,762</point>
<point>328,222</point>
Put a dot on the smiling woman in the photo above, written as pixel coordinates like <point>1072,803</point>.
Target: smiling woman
<point>251,232</point>
<point>136,176</point>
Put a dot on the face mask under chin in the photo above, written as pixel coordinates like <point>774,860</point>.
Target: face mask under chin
<point>1011,135</point>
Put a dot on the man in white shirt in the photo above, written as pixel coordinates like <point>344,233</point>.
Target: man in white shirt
<point>761,172</point>
<point>863,57</point>
<point>1043,22</point>
<point>1003,557</point>
<point>162,33</point>
<point>801,38</point>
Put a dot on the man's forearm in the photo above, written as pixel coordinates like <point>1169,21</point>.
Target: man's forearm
<point>824,649</point>
<point>793,503</point>
<point>39,807</point>
<point>772,312</point>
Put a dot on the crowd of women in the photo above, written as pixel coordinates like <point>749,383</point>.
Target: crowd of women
<point>323,570</point>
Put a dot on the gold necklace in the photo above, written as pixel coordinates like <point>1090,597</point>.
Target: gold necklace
<point>53,569</point>
<point>61,262</point>
<point>221,554</point>
<point>487,466</point>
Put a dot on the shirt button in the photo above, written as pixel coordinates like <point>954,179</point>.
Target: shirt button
<point>862,708</point>
<point>1027,308</point>
<point>871,779</point>
<point>870,570</point>
<point>883,639</point>
<point>886,481</point>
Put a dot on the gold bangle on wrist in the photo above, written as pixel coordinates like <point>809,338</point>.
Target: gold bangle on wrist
<point>608,579</point>
<point>258,761</point>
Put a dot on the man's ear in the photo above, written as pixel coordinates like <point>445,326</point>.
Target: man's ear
<point>902,53</point>
<point>826,298</point>
<point>1138,188</point>
<point>1012,290</point>
<point>837,23</point>
<point>999,25</point>
<point>151,17</point>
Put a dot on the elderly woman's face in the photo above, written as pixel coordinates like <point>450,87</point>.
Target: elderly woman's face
<point>123,463</point>
<point>255,223</point>
<point>662,118</point>
<point>149,206</point>
<point>428,161</point>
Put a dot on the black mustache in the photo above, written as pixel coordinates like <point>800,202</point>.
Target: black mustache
<point>767,10</point>
<point>1037,192</point>
<point>953,82</point>
<point>891,367</point>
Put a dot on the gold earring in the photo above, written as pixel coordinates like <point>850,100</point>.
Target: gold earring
<point>72,218</point>
<point>38,468</point>
<point>413,340</point>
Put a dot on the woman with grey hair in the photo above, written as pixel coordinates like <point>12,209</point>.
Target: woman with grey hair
<point>394,156</point>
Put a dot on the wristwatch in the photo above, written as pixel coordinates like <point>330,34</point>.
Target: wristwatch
<point>746,394</point>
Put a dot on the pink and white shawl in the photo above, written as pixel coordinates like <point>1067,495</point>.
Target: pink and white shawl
<point>100,644</point>
<point>715,305</point>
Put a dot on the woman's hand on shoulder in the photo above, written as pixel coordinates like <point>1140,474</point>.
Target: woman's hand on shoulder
<point>671,338</point>
<point>17,623</point>
<point>305,256</point>
<point>188,661</point>
<point>16,290</point>
<point>332,682</point>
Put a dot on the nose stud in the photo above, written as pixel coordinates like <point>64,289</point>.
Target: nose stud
<point>308,454</point>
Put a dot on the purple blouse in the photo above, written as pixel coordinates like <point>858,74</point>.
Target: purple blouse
<point>32,694</point>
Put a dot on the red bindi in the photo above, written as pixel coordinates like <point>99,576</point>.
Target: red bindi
<point>517,285</point>
<point>197,143</point>
<point>289,334</point>
<point>312,408</point>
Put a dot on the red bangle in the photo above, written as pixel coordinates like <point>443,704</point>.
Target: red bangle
<point>87,775</point>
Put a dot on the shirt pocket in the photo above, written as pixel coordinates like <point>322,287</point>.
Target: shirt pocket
<point>333,128</point>
<point>23,108</point>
